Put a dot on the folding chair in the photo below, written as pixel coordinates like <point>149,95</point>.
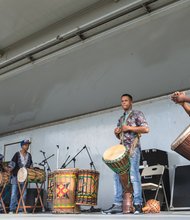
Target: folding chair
<point>147,174</point>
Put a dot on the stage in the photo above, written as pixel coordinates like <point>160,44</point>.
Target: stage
<point>171,215</point>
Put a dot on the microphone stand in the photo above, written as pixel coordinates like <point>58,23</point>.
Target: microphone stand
<point>57,156</point>
<point>45,161</point>
<point>92,209</point>
<point>63,165</point>
<point>74,158</point>
<point>91,161</point>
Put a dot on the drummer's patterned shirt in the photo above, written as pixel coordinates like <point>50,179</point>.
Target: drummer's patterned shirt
<point>131,118</point>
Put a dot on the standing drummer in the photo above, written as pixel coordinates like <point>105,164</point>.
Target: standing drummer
<point>182,99</point>
<point>130,124</point>
<point>21,159</point>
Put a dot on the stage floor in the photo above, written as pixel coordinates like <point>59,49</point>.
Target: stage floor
<point>171,215</point>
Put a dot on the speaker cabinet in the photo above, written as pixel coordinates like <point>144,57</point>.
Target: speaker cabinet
<point>180,194</point>
<point>153,157</point>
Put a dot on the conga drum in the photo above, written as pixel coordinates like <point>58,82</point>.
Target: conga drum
<point>31,175</point>
<point>182,144</point>
<point>87,187</point>
<point>117,158</point>
<point>50,186</point>
<point>4,178</point>
<point>64,194</point>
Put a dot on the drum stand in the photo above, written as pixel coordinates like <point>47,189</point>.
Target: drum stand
<point>21,191</point>
<point>1,199</point>
<point>39,198</point>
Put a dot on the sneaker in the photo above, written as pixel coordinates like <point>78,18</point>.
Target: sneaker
<point>11,212</point>
<point>114,209</point>
<point>138,209</point>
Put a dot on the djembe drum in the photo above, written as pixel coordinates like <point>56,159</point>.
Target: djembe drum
<point>31,175</point>
<point>4,178</point>
<point>182,143</point>
<point>65,183</point>
<point>87,187</point>
<point>50,186</point>
<point>117,158</point>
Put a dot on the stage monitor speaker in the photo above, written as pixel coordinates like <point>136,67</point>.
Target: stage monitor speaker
<point>180,194</point>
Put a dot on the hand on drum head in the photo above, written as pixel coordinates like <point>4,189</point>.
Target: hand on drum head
<point>178,97</point>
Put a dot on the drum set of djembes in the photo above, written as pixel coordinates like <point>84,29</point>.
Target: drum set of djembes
<point>70,188</point>
<point>67,188</point>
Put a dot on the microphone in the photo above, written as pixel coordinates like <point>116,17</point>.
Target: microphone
<point>43,152</point>
<point>67,152</point>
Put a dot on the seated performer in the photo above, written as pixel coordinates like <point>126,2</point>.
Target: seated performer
<point>182,99</point>
<point>130,124</point>
<point>21,159</point>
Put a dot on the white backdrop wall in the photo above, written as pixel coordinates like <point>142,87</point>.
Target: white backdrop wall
<point>166,121</point>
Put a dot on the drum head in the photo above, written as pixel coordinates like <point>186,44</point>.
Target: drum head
<point>180,138</point>
<point>114,152</point>
<point>82,171</point>
<point>66,170</point>
<point>22,174</point>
